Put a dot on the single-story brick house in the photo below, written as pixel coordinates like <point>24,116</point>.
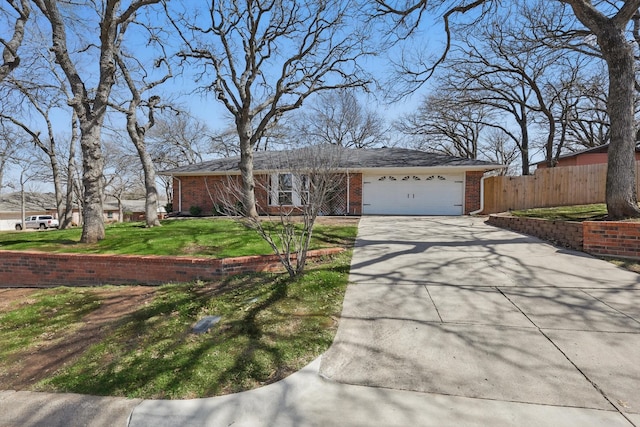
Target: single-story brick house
<point>378,181</point>
<point>590,156</point>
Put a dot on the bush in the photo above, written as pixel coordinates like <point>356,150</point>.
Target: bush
<point>195,210</point>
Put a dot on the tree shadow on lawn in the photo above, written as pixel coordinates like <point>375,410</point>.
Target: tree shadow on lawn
<point>152,353</point>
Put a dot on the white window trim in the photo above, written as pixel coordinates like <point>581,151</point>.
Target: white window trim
<point>296,191</point>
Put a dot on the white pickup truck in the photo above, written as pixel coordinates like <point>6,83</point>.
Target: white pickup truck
<point>41,222</point>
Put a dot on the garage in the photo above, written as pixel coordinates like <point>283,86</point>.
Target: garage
<point>413,194</point>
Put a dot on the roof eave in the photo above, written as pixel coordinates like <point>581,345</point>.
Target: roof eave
<point>470,168</point>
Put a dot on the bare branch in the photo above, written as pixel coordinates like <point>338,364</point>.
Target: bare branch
<point>10,58</point>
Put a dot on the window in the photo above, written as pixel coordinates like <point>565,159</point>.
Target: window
<point>304,190</point>
<point>288,189</point>
<point>285,189</point>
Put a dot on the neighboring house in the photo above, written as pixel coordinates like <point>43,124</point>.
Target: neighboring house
<point>44,203</point>
<point>132,210</point>
<point>381,181</point>
<point>591,156</point>
<point>34,204</point>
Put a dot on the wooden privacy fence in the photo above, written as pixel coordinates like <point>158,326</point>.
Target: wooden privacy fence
<point>560,186</point>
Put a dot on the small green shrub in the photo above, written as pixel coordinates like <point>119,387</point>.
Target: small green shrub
<point>195,210</point>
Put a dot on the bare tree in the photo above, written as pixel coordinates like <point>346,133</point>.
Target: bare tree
<point>499,148</point>
<point>579,108</point>
<point>17,11</point>
<point>338,118</point>
<point>610,23</point>
<point>39,100</point>
<point>301,184</point>
<point>588,123</point>
<point>179,139</point>
<point>90,104</point>
<point>122,173</point>
<point>8,146</point>
<point>73,178</point>
<point>137,132</point>
<point>267,57</point>
<point>445,125</point>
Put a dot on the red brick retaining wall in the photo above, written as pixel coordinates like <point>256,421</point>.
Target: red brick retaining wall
<point>562,233</point>
<point>613,238</point>
<point>20,268</point>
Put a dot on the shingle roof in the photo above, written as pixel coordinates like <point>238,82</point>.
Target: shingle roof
<point>34,202</point>
<point>604,148</point>
<point>352,159</point>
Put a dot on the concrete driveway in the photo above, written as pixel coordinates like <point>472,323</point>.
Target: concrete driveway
<point>447,322</point>
<point>456,307</point>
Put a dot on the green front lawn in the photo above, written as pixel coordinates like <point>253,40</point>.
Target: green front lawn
<point>218,237</point>
<point>566,213</point>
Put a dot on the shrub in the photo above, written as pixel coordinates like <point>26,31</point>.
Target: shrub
<point>195,210</point>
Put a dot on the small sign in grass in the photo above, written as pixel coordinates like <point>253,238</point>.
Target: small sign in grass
<point>205,324</point>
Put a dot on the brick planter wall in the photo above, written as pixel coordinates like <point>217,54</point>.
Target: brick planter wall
<point>612,238</point>
<point>19,268</point>
<point>561,233</point>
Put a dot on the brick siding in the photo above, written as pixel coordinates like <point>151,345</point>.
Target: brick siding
<point>209,191</point>
<point>355,194</point>
<point>472,191</point>
<point>612,238</point>
<point>27,269</point>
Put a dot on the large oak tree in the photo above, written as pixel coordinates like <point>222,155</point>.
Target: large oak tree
<point>610,23</point>
<point>263,58</point>
<point>90,96</point>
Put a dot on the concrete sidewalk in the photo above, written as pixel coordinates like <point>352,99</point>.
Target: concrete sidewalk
<point>448,322</point>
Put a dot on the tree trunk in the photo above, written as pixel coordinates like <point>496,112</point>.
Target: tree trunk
<point>151,192</point>
<point>67,219</point>
<point>524,144</point>
<point>57,184</point>
<point>3,162</point>
<point>246,171</point>
<point>151,200</point>
<point>93,183</point>
<point>621,194</point>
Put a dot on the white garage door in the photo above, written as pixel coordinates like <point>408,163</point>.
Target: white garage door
<point>433,194</point>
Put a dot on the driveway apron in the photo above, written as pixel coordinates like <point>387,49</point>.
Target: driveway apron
<point>456,307</point>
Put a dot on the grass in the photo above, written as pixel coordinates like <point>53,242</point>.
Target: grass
<point>579,213</point>
<point>44,316</point>
<point>218,238</point>
<point>271,326</point>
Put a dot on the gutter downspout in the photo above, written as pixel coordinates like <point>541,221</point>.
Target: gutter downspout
<point>481,196</point>
<point>348,195</point>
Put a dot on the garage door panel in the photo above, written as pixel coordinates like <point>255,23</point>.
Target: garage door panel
<point>434,194</point>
